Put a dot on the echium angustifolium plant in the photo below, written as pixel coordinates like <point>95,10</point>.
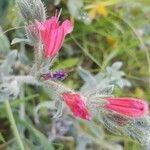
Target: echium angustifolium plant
<point>125,115</point>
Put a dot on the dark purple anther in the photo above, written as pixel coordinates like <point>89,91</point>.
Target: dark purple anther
<point>58,75</point>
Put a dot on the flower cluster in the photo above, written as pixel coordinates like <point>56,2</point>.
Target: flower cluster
<point>116,112</point>
<point>52,36</point>
<point>93,103</point>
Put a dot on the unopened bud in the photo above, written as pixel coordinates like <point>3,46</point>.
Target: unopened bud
<point>32,10</point>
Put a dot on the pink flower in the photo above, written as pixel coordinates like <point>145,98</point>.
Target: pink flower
<point>52,34</point>
<point>77,105</point>
<point>130,107</point>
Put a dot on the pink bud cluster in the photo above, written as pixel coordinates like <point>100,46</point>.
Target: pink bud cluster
<point>130,107</point>
<point>52,35</point>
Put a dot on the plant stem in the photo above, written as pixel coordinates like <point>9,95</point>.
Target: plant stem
<point>13,125</point>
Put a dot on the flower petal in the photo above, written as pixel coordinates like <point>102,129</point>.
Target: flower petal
<point>131,107</point>
<point>68,26</point>
<point>77,105</point>
<point>59,41</point>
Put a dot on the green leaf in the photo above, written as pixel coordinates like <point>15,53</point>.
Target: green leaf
<point>20,101</point>
<point>71,62</point>
<point>2,138</point>
<point>74,7</point>
<point>4,43</point>
<point>47,104</point>
<point>19,40</point>
<point>87,76</point>
<point>9,61</point>
<point>45,144</point>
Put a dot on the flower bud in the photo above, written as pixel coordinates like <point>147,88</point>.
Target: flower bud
<point>77,105</point>
<point>52,35</point>
<point>131,107</point>
<point>32,10</point>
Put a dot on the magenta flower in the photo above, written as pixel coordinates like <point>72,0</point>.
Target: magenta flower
<point>77,105</point>
<point>130,107</point>
<point>52,34</point>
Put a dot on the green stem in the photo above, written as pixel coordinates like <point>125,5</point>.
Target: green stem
<point>13,125</point>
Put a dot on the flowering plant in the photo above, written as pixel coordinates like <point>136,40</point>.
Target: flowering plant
<point>93,102</point>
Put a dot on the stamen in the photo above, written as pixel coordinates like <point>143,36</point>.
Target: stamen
<point>58,75</point>
<point>60,11</point>
<point>58,14</point>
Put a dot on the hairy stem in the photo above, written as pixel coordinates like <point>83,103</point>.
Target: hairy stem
<point>13,125</point>
<point>56,86</point>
